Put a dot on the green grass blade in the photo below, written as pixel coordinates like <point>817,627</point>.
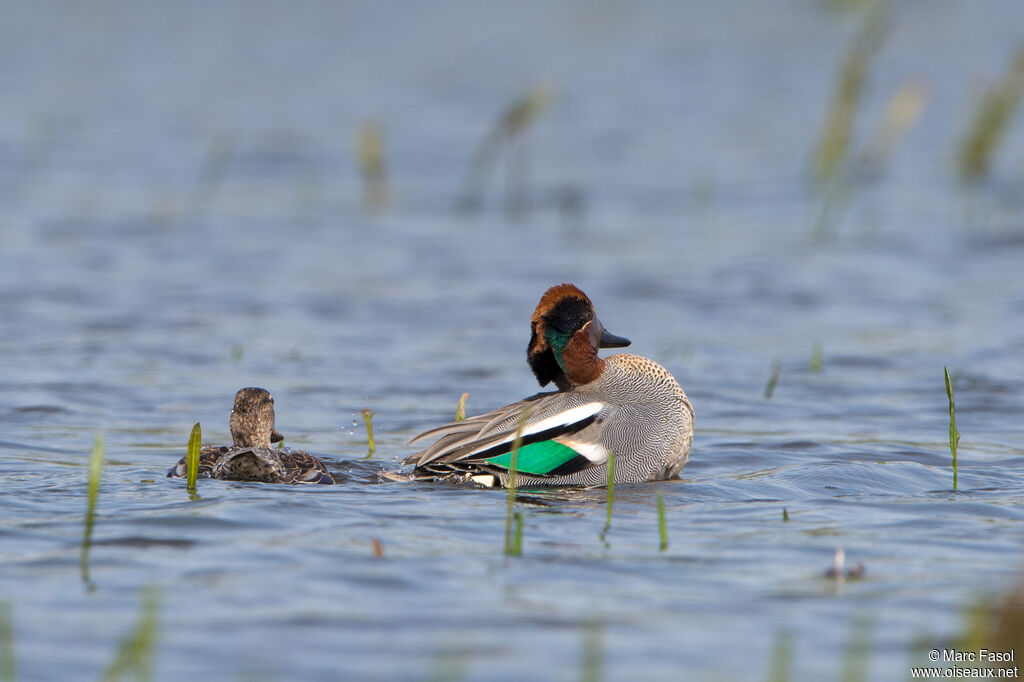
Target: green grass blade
<point>450,663</point>
<point>611,496</point>
<point>782,658</point>
<point>662,526</point>
<point>513,547</point>
<point>816,357</point>
<point>8,670</point>
<point>136,651</point>
<point>857,652</point>
<point>901,114</point>
<point>773,379</point>
<point>372,166</point>
<point>521,114</point>
<point>192,458</point>
<point>592,665</point>
<point>833,146</point>
<point>460,410</point>
<point>95,472</point>
<point>517,536</point>
<point>954,435</point>
<point>368,418</point>
<point>992,118</point>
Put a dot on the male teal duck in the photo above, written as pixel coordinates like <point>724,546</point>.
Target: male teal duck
<point>624,404</point>
<point>250,457</point>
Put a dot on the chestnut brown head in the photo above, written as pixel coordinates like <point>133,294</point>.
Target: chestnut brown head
<point>565,336</point>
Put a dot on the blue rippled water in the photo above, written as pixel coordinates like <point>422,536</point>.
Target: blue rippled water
<point>182,216</point>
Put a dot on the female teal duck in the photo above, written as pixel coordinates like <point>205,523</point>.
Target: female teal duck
<point>251,458</point>
<point>623,404</point>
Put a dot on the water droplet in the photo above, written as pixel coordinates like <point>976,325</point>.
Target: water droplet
<point>351,433</point>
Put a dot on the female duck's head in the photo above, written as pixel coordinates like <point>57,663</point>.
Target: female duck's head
<point>565,337</point>
<point>252,418</point>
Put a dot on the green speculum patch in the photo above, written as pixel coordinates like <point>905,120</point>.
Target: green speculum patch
<point>537,458</point>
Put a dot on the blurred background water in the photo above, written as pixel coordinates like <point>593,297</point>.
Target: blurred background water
<point>196,198</point>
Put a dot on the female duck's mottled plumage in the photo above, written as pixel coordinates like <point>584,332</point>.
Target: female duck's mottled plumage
<point>624,404</point>
<point>251,458</point>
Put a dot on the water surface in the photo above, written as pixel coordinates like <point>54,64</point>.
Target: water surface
<point>182,216</point>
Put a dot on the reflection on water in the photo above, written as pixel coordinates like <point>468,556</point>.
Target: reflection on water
<point>183,215</point>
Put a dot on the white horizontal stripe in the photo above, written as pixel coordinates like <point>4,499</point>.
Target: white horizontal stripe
<point>570,416</point>
<point>595,452</point>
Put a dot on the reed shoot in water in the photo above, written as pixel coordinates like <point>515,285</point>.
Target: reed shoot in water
<point>901,114</point>
<point>8,669</point>
<point>514,535</point>
<point>372,167</point>
<point>506,133</point>
<point>192,458</point>
<point>460,409</point>
<point>95,472</point>
<point>773,379</point>
<point>592,663</point>
<point>857,652</point>
<point>816,357</point>
<point>368,418</point>
<point>782,658</point>
<point>136,651</point>
<point>954,435</point>
<point>991,120</point>
<point>517,535</point>
<point>611,496</point>
<point>662,526</point>
<point>833,147</point>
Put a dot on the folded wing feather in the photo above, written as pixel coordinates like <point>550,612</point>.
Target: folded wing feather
<point>559,436</point>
